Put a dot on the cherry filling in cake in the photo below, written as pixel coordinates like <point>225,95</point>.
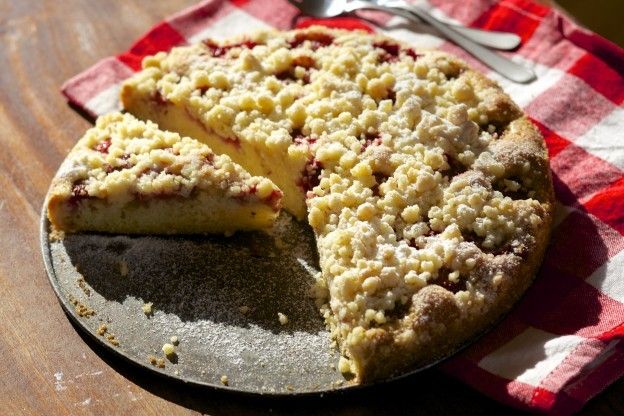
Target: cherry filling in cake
<point>427,189</point>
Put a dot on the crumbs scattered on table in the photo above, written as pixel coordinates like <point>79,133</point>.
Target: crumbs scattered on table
<point>81,309</point>
<point>102,329</point>
<point>283,319</point>
<point>244,309</point>
<point>174,340</point>
<point>224,380</point>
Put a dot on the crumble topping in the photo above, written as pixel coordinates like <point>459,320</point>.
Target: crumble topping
<point>123,159</point>
<point>148,308</point>
<point>168,349</point>
<point>397,154</point>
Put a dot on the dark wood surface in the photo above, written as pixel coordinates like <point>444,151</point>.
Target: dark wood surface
<point>46,366</point>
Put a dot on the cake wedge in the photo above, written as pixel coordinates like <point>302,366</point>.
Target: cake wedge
<point>128,176</point>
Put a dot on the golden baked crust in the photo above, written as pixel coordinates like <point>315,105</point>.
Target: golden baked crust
<point>428,190</point>
<point>127,176</point>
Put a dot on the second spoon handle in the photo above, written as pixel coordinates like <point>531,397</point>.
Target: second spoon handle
<point>499,63</point>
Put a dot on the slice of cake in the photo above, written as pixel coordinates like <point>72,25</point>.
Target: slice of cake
<point>127,176</point>
<point>428,190</point>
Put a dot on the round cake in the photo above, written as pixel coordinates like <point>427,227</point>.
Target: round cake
<point>427,188</point>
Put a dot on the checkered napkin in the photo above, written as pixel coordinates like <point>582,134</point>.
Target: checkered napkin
<point>564,342</point>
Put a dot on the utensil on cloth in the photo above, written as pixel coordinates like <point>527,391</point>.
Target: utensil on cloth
<point>490,38</point>
<point>504,66</point>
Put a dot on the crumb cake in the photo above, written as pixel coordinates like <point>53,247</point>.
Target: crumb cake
<point>127,176</point>
<point>428,190</point>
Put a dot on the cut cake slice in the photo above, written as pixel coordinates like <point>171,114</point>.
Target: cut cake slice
<point>128,176</point>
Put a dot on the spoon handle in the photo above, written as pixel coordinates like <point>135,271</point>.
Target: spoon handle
<point>500,64</point>
<point>492,39</point>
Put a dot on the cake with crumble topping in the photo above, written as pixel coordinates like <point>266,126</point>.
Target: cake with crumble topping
<point>428,190</point>
<point>128,176</point>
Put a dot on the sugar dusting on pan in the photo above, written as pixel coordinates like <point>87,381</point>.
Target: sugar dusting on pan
<point>219,296</point>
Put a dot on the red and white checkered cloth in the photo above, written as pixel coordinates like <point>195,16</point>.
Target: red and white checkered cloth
<point>564,342</point>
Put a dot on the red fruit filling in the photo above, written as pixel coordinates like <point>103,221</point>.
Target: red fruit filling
<point>299,138</point>
<point>275,200</point>
<point>316,39</point>
<point>412,53</point>
<point>159,98</point>
<point>303,61</point>
<point>371,139</point>
<point>103,146</point>
<point>287,74</point>
<point>391,49</point>
<point>234,141</point>
<point>310,177</point>
<point>217,50</point>
<point>79,192</point>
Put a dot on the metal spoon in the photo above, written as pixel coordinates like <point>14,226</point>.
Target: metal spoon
<point>490,38</point>
<point>502,65</point>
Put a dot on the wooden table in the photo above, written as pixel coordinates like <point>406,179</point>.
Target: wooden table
<point>47,367</point>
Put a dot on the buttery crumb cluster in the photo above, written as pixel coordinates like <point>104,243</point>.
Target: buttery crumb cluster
<point>123,159</point>
<point>394,149</point>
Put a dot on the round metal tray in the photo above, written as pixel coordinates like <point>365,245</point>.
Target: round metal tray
<point>200,288</point>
